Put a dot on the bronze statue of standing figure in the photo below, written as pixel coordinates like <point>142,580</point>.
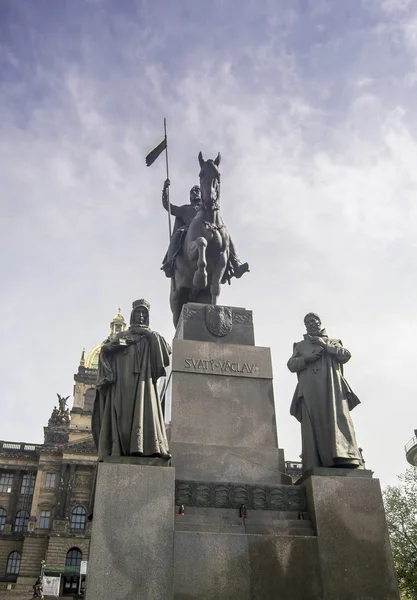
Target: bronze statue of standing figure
<point>201,254</point>
<point>323,400</point>
<point>127,417</point>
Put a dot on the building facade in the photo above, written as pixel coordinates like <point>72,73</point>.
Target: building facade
<point>45,493</point>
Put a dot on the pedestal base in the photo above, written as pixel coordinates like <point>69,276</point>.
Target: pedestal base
<point>131,551</point>
<point>353,545</point>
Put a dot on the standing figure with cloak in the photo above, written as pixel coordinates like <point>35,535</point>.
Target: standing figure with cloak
<point>127,415</point>
<point>323,400</point>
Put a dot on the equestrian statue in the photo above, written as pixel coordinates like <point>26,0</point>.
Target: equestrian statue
<point>201,253</point>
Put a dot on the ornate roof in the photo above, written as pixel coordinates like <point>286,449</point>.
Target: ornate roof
<point>92,359</point>
<point>118,324</point>
<point>119,317</point>
<point>84,446</point>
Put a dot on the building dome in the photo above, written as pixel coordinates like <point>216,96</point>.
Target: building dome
<point>116,326</point>
<point>92,359</point>
<point>119,317</point>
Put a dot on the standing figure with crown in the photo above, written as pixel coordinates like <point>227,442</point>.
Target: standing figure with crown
<point>127,416</point>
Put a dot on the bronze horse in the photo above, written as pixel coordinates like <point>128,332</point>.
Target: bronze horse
<point>201,264</point>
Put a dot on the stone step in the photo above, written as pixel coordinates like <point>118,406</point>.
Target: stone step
<point>256,522</point>
<point>233,514</point>
<point>306,530</point>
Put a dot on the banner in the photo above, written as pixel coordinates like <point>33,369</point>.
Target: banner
<point>152,156</point>
<point>51,585</point>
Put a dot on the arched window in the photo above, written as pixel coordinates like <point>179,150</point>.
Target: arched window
<point>89,398</point>
<point>3,515</point>
<point>21,521</point>
<point>13,563</point>
<point>72,568</point>
<point>74,557</point>
<point>78,518</point>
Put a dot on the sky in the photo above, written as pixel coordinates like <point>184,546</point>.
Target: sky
<point>313,106</point>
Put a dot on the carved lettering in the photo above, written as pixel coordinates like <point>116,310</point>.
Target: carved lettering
<point>222,366</point>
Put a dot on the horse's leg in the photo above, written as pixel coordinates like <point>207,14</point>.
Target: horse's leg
<point>217,276</point>
<point>197,251</point>
<point>178,297</point>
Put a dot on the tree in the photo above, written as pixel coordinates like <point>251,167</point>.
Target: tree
<point>401,512</point>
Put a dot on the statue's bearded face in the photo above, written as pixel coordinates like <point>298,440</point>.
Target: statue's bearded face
<point>195,195</point>
<point>140,316</point>
<point>313,324</point>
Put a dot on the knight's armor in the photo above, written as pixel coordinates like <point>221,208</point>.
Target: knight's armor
<point>183,216</point>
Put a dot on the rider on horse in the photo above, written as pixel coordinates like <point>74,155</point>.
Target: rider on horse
<point>183,216</point>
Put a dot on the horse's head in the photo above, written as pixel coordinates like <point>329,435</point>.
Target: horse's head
<point>210,182</point>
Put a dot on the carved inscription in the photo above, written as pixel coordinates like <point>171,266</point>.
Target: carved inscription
<point>221,366</point>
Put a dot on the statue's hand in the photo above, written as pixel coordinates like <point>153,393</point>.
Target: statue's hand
<point>315,355</point>
<point>111,344</point>
<point>320,341</point>
<point>146,332</point>
<point>167,183</point>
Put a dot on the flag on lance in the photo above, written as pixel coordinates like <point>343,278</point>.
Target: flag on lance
<point>151,158</point>
<point>153,155</point>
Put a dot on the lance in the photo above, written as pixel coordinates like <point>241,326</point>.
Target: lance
<point>151,158</point>
<point>167,167</point>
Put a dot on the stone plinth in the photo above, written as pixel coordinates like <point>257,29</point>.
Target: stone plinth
<point>223,424</point>
<point>198,322</point>
<point>131,551</point>
<point>220,566</point>
<point>353,546</point>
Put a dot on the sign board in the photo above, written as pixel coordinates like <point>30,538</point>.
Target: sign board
<point>83,567</point>
<point>51,585</point>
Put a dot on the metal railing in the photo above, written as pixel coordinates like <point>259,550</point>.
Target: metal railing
<point>410,444</point>
<point>19,446</point>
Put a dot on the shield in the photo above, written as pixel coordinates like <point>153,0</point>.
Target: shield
<point>219,320</point>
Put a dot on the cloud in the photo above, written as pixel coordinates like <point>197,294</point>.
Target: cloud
<point>313,113</point>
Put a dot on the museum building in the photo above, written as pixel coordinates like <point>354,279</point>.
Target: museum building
<point>45,493</point>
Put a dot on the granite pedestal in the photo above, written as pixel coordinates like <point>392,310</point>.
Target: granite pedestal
<point>232,526</point>
<point>244,532</point>
<point>354,551</point>
<point>131,551</point>
<point>223,424</point>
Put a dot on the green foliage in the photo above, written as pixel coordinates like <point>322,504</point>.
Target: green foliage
<point>401,511</point>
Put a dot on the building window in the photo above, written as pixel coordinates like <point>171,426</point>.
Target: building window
<point>72,564</point>
<point>78,518</point>
<point>28,483</point>
<point>45,519</point>
<point>6,480</point>
<point>74,557</point>
<point>50,480</point>
<point>3,515</point>
<point>21,521</point>
<point>89,399</point>
<point>13,563</point>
